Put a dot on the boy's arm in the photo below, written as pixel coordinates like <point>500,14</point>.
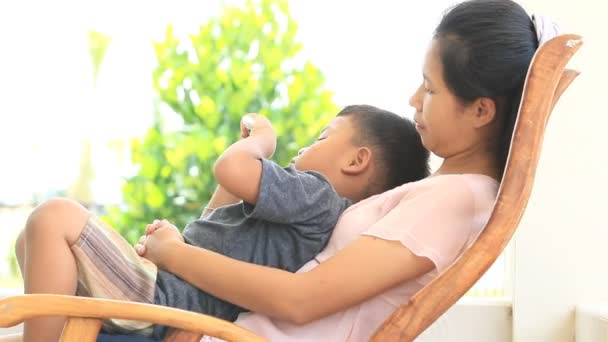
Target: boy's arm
<point>239,169</point>
<point>220,198</point>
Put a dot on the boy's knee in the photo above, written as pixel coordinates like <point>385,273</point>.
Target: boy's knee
<point>57,216</point>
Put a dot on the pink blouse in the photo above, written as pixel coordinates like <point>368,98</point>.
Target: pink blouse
<point>438,217</point>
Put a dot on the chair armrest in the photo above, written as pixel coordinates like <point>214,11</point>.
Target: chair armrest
<point>14,310</point>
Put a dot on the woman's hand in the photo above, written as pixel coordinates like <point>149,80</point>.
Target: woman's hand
<point>160,236</point>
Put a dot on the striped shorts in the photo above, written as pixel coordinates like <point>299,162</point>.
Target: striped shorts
<point>109,267</point>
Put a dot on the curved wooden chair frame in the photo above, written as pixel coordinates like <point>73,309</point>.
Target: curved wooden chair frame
<point>547,79</point>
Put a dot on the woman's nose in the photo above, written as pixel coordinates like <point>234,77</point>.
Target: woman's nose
<point>302,150</point>
<point>416,99</point>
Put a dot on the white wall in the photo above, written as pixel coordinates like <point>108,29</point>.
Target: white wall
<point>592,323</point>
<point>560,246</point>
<point>472,320</point>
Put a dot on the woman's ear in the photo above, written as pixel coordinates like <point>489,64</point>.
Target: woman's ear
<point>484,111</point>
<point>358,162</point>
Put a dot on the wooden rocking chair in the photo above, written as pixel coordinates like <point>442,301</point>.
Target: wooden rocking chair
<point>547,79</point>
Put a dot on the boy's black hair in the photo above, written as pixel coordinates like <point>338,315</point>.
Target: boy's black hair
<point>396,144</point>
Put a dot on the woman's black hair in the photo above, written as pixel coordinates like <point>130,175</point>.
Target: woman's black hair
<point>397,145</point>
<point>486,47</point>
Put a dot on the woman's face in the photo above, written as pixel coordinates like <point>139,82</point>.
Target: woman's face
<point>441,119</point>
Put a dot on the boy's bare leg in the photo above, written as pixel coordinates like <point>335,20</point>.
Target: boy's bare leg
<point>47,262</point>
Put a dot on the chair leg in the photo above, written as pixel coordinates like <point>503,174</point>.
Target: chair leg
<point>81,329</point>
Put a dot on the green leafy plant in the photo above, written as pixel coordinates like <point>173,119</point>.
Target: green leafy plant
<point>14,276</point>
<point>245,60</point>
<point>81,189</point>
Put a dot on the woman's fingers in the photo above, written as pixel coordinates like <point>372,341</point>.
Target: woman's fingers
<point>140,249</point>
<point>140,246</point>
<point>159,224</point>
<point>152,226</point>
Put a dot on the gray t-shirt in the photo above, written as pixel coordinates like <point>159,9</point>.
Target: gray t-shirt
<point>289,225</point>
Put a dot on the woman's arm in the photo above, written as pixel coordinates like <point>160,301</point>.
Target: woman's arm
<point>367,267</point>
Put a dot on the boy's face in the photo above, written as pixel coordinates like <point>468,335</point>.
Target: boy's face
<point>331,151</point>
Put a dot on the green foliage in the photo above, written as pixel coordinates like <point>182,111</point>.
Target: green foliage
<point>243,61</point>
<point>81,190</point>
<point>98,43</point>
<point>14,276</point>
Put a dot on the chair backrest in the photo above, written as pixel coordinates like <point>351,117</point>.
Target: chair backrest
<point>547,79</point>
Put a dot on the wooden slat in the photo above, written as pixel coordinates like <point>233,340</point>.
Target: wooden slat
<point>567,77</point>
<point>81,330</point>
<point>545,82</point>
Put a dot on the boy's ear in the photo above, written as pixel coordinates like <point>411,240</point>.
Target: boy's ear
<point>358,161</point>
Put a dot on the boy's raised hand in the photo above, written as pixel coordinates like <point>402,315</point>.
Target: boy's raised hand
<point>256,125</point>
<point>239,169</point>
<point>254,122</point>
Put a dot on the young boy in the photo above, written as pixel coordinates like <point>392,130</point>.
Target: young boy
<point>285,217</point>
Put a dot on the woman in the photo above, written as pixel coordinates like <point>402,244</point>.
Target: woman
<point>386,248</point>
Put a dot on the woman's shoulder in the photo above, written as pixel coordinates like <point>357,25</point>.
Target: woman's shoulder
<point>457,181</point>
<point>449,187</point>
<point>456,190</point>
